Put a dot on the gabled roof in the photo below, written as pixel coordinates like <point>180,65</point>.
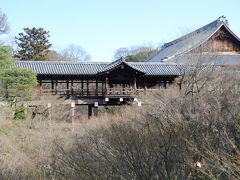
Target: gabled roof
<point>115,64</point>
<point>94,68</point>
<point>190,41</point>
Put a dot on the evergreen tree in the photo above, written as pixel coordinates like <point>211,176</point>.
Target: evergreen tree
<point>15,83</point>
<point>33,44</point>
<point>19,84</point>
<point>6,60</point>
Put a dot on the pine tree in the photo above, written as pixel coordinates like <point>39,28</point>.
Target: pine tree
<point>15,83</point>
<point>6,60</point>
<point>33,44</point>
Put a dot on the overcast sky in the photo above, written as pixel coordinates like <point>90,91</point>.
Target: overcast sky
<point>102,26</point>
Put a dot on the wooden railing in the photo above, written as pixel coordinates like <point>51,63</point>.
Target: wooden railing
<point>119,91</point>
<point>92,92</point>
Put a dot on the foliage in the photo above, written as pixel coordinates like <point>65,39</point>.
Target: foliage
<point>15,83</point>
<point>6,62</point>
<point>140,56</point>
<point>135,54</point>
<point>54,56</point>
<point>20,115</point>
<point>5,58</point>
<point>33,44</point>
<point>18,84</point>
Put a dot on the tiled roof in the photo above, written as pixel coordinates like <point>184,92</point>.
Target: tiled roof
<point>62,67</point>
<point>82,68</point>
<point>155,69</point>
<point>206,59</point>
<point>117,63</point>
<point>190,41</point>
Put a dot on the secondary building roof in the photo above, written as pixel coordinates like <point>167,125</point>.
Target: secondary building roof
<point>206,59</point>
<point>176,50</point>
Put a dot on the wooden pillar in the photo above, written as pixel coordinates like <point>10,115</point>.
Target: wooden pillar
<point>72,88</point>
<point>82,87</point>
<point>96,87</point>
<point>87,87</point>
<point>102,88</point>
<point>67,87</point>
<point>52,86</point>
<point>145,85</point>
<point>159,83</point>
<point>56,87</point>
<point>106,85</point>
<point>40,87</point>
<point>135,84</point>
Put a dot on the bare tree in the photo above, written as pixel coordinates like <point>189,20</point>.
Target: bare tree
<point>75,53</point>
<point>4,26</point>
<point>136,53</point>
<point>121,52</point>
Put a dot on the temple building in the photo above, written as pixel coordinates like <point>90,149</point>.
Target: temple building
<point>120,81</point>
<point>213,44</point>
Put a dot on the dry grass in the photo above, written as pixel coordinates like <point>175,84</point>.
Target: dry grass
<point>24,149</point>
<point>27,151</point>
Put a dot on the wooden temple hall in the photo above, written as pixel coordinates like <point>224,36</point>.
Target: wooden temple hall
<point>99,84</point>
<point>114,82</point>
<point>119,82</point>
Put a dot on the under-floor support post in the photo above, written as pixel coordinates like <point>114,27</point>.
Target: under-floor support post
<point>95,111</point>
<point>90,111</point>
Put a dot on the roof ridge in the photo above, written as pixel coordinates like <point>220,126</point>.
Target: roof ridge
<point>60,62</point>
<point>216,23</point>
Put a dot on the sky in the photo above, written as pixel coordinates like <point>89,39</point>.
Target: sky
<point>102,26</point>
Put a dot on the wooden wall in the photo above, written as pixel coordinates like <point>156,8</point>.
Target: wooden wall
<point>222,41</point>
